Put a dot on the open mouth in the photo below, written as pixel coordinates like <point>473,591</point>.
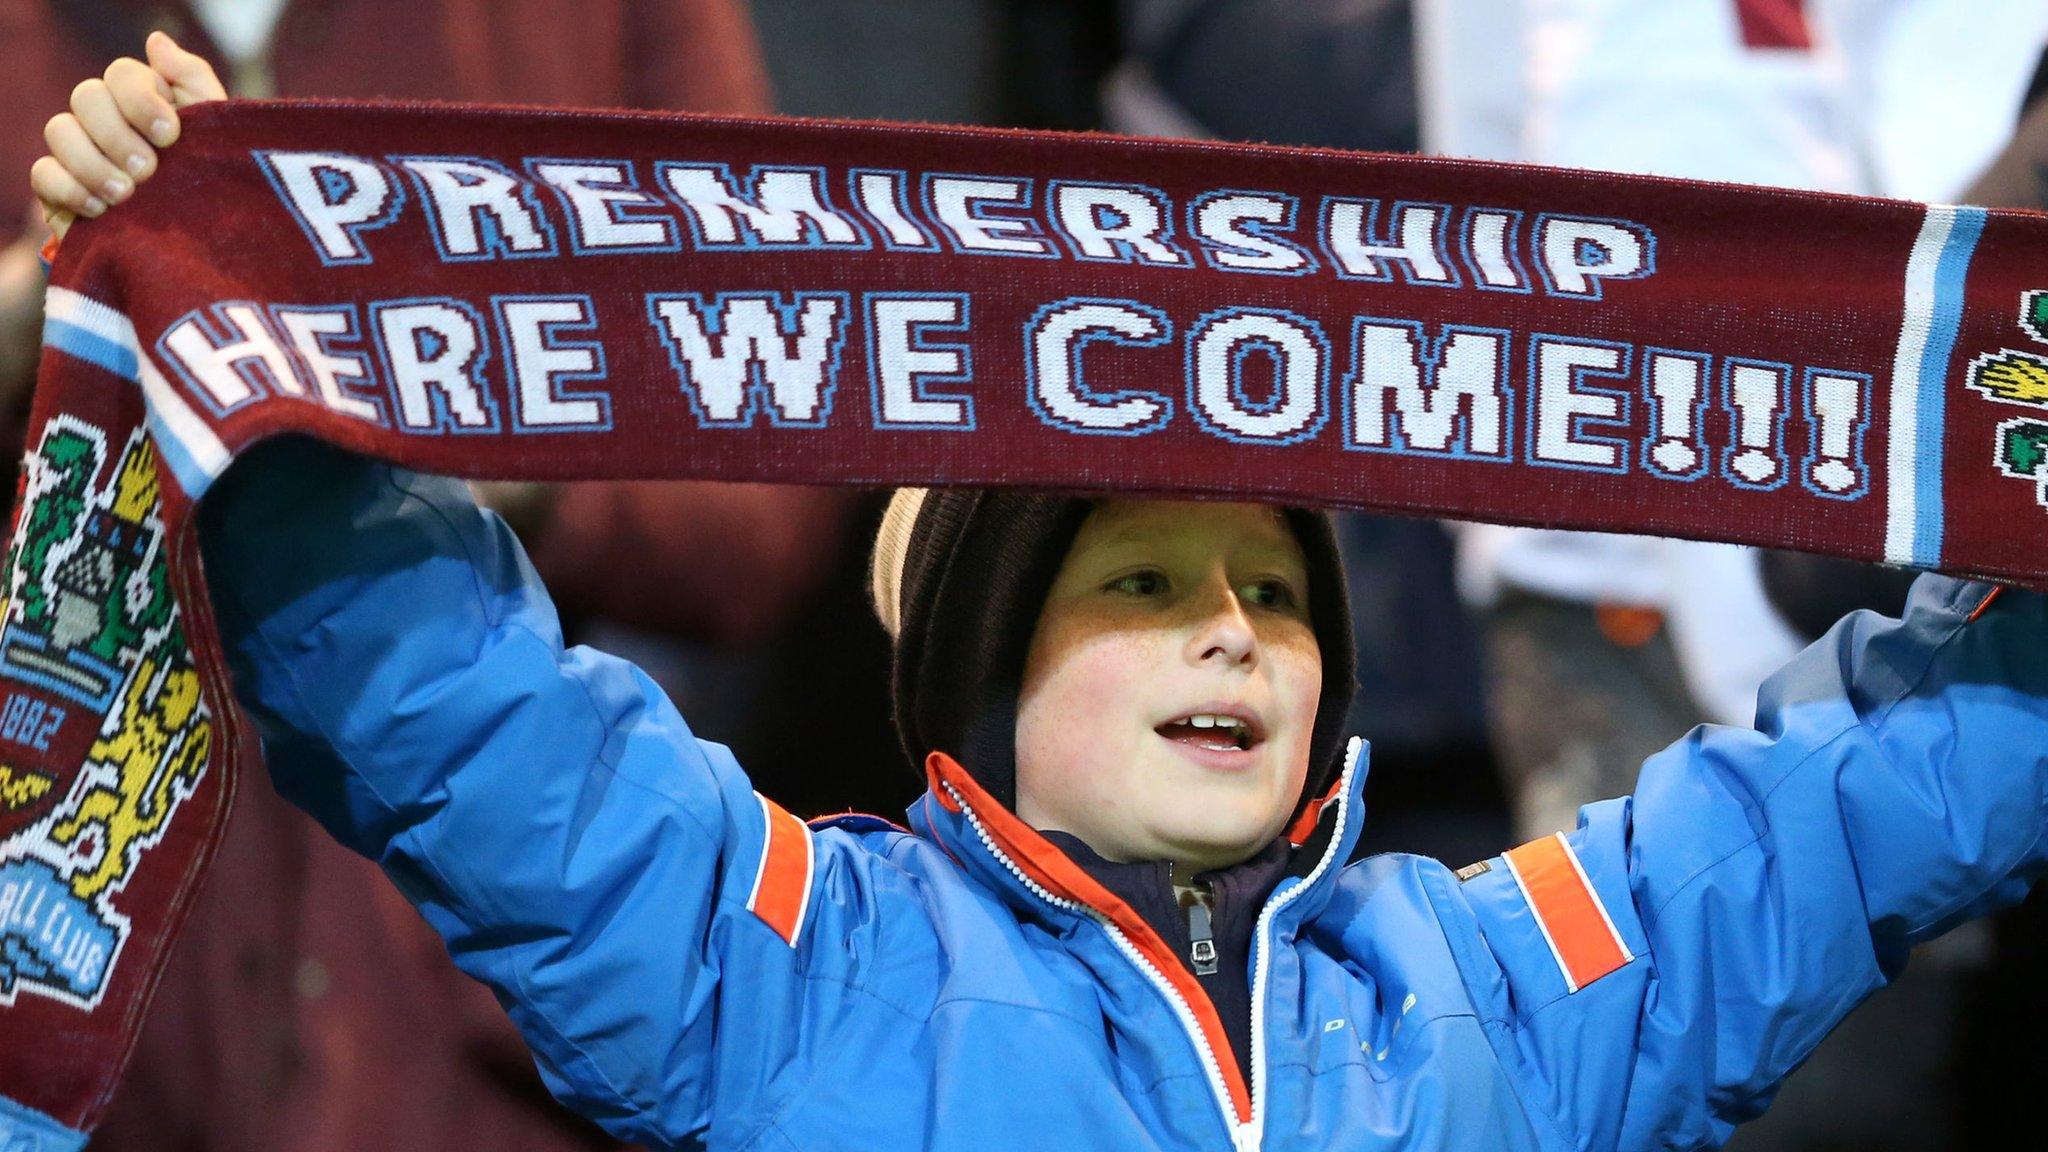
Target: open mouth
<point>1223,732</point>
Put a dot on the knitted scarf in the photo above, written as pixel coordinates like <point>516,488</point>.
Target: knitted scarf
<point>537,295</point>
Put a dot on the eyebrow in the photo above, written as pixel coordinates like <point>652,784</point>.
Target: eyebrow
<point>1275,548</point>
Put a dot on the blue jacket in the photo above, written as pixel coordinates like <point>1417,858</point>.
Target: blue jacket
<point>694,967</point>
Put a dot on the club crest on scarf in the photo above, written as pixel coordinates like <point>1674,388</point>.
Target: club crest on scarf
<point>2013,376</point>
<point>102,730</point>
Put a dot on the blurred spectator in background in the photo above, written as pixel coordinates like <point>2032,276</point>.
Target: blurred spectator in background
<point>306,1005</point>
<point>1606,648</point>
<point>1603,649</point>
<point>1340,74</point>
<point>21,313</point>
<point>1328,73</point>
<point>2018,176</point>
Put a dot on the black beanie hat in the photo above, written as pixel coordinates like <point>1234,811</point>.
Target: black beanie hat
<point>959,578</point>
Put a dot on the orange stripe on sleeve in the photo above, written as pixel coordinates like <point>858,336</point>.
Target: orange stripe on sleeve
<point>782,883</point>
<point>1575,924</point>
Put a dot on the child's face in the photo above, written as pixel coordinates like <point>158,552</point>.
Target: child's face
<point>1163,610</point>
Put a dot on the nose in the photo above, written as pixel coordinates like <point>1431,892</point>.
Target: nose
<point>1223,632</point>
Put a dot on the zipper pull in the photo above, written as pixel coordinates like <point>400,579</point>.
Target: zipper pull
<point>1203,949</point>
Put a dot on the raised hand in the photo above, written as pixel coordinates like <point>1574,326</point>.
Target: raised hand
<point>106,144</point>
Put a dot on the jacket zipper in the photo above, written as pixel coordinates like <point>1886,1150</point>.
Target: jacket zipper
<point>1262,942</point>
<point>1243,1137</point>
<point>1201,938</point>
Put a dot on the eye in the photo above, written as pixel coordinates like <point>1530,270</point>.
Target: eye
<point>1144,582</point>
<point>1272,592</point>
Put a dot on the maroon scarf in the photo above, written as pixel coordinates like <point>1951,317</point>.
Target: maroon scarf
<point>539,295</point>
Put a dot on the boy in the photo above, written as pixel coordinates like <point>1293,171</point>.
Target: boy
<point>1123,920</point>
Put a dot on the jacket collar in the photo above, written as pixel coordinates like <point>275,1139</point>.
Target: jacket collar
<point>1010,857</point>
<point>1032,874</point>
<point>993,844</point>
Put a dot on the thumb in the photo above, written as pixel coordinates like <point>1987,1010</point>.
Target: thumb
<point>191,78</point>
<point>58,221</point>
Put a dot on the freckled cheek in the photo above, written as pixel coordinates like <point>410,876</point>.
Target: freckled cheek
<point>1298,679</point>
<point>1085,691</point>
<point>1109,670</point>
<point>1083,671</point>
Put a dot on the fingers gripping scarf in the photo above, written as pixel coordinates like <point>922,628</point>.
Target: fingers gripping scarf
<point>534,295</point>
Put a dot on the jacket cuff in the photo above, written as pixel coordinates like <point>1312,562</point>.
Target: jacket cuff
<point>23,1129</point>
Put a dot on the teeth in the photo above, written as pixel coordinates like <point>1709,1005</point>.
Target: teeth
<point>1207,721</point>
